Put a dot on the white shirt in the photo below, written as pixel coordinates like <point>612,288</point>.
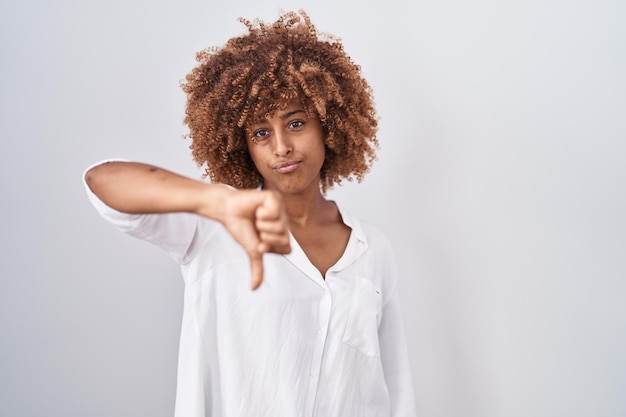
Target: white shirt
<point>300,345</point>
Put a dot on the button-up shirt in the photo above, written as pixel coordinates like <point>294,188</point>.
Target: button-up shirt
<point>301,345</point>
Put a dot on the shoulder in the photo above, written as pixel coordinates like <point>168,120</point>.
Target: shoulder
<point>364,230</point>
<point>377,260</point>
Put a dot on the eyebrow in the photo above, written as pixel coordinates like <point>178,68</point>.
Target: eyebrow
<point>291,113</point>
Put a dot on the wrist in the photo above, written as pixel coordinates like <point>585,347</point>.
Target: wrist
<point>214,201</point>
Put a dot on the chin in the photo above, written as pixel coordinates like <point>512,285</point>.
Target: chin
<point>288,187</point>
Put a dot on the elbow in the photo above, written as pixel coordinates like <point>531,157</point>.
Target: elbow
<point>92,174</point>
<point>95,174</point>
<point>89,177</point>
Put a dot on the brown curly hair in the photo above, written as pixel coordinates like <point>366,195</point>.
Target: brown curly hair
<point>254,75</point>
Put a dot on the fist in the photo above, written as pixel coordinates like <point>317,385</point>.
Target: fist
<point>258,222</point>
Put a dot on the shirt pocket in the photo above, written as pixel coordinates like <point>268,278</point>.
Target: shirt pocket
<point>365,312</point>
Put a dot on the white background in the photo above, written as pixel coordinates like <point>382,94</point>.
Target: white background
<point>500,181</point>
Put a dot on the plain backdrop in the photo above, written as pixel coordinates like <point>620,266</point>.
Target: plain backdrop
<point>500,181</point>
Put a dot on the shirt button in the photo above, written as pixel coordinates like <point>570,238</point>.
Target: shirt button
<point>321,332</point>
<point>313,374</point>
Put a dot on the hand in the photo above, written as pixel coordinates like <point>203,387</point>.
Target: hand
<point>257,221</point>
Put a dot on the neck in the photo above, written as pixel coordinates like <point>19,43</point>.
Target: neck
<point>305,209</point>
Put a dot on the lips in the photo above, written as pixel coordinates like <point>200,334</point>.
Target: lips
<point>286,167</point>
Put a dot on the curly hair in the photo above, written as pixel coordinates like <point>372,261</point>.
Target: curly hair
<point>258,73</point>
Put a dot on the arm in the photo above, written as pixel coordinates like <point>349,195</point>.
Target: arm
<point>395,359</point>
<point>255,219</point>
<point>393,348</point>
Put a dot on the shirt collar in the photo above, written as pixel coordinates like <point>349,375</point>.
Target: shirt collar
<point>353,223</point>
<point>357,245</point>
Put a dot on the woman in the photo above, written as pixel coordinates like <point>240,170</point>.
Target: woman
<point>278,116</point>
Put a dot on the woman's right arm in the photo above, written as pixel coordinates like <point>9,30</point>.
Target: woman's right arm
<point>137,188</point>
<point>256,219</point>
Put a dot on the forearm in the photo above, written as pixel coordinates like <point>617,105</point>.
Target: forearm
<point>133,187</point>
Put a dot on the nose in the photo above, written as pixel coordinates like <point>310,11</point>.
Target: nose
<point>282,144</point>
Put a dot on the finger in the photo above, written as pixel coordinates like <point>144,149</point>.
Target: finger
<point>264,213</point>
<point>276,243</point>
<point>271,226</point>
<point>256,269</point>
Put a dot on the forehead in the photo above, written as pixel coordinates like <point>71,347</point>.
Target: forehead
<point>276,108</point>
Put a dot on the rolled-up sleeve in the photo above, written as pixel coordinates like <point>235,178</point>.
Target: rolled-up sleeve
<point>175,233</point>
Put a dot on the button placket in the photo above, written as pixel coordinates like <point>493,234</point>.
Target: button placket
<point>325,305</point>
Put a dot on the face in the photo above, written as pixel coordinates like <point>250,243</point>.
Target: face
<point>288,150</point>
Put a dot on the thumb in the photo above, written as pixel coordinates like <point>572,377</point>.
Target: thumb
<point>256,268</point>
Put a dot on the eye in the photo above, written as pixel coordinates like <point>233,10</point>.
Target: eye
<point>296,124</point>
<point>260,134</point>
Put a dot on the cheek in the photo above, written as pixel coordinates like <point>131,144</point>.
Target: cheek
<point>256,155</point>
<point>321,150</point>
<point>252,151</point>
